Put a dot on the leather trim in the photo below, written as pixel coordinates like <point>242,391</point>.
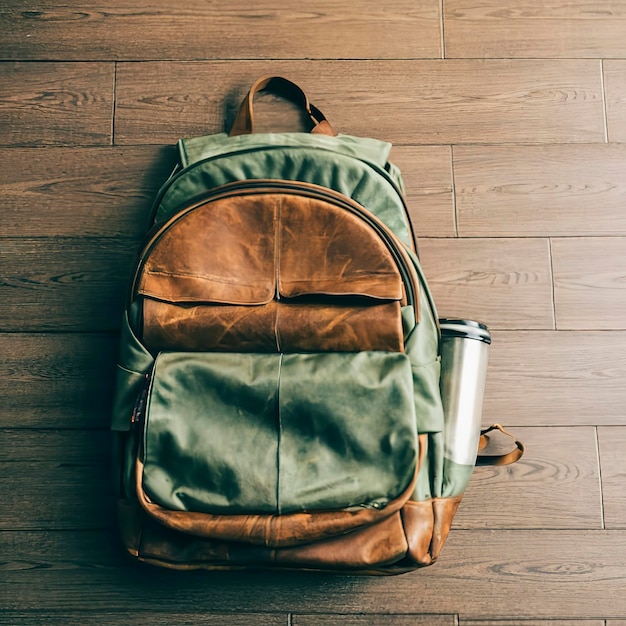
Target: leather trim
<point>268,530</point>
<point>287,326</point>
<point>427,525</point>
<point>376,546</point>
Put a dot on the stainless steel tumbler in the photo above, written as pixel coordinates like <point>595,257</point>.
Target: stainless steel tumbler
<point>464,356</point>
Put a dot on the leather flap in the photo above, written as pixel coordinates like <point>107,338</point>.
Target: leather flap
<point>242,249</point>
<point>324,249</point>
<point>221,254</point>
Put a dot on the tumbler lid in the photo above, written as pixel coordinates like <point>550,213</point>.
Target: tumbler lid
<point>468,329</point>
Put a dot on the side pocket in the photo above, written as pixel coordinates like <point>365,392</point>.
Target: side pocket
<point>133,363</point>
<point>427,397</point>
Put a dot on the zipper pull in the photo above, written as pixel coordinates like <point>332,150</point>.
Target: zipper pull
<point>136,418</point>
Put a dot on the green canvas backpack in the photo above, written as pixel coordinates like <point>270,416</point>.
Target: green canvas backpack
<point>278,398</point>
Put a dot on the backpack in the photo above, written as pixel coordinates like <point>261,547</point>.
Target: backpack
<point>278,398</point>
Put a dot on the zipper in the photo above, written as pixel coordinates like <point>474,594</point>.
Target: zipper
<point>397,248</point>
<point>138,415</point>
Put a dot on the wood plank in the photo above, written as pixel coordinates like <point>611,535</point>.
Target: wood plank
<point>373,619</point>
<point>524,191</point>
<point>55,495</point>
<point>534,29</point>
<point>504,283</point>
<point>615,90</point>
<point>407,102</point>
<point>64,283</point>
<point>73,571</point>
<point>555,485</point>
<point>559,470</point>
<point>56,380</point>
<point>75,447</point>
<point>589,283</point>
<point>142,618</point>
<point>56,103</point>
<point>532,622</point>
<point>108,192</point>
<point>56,479</point>
<point>612,442</point>
<point>260,29</point>
<point>556,378</point>
<point>427,174</point>
<point>104,192</point>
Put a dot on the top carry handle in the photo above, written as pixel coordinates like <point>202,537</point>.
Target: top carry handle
<point>244,121</point>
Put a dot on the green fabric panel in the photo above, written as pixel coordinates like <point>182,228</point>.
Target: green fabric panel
<point>455,478</point>
<point>365,148</point>
<point>439,476</point>
<point>367,184</point>
<point>408,320</point>
<point>210,439</point>
<point>223,434</point>
<point>430,480</point>
<point>427,398</point>
<point>396,175</point>
<point>422,348</point>
<point>347,430</point>
<point>133,363</point>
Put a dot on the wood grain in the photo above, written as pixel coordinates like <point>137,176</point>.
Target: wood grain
<point>590,283</point>
<point>427,174</point>
<point>142,618</point>
<point>612,443</point>
<point>56,495</point>
<point>200,30</point>
<point>56,103</point>
<point>405,102</point>
<point>533,622</point>
<point>513,157</point>
<point>79,569</point>
<point>615,94</point>
<point>75,447</point>
<point>56,381</point>
<point>525,191</point>
<point>325,619</point>
<point>505,283</point>
<point>97,192</point>
<point>534,29</point>
<point>556,485</point>
<point>64,283</point>
<point>556,378</point>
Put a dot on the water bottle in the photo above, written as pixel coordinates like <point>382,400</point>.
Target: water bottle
<point>464,356</point>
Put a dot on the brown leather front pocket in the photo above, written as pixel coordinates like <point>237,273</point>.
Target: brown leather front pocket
<point>271,272</point>
<point>278,326</point>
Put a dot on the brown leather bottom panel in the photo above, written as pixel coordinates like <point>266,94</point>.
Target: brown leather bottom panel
<point>274,327</point>
<point>372,546</point>
<point>272,531</point>
<point>401,542</point>
<point>427,525</point>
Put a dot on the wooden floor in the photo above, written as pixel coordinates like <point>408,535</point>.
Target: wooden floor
<point>509,122</point>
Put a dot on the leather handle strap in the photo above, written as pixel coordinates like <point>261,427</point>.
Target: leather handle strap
<point>498,459</point>
<point>283,87</point>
